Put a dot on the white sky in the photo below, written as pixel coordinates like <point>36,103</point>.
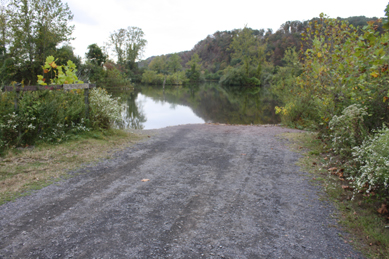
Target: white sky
<point>177,25</point>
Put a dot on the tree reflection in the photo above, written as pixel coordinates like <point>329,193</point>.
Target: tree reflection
<point>210,101</point>
<point>133,115</point>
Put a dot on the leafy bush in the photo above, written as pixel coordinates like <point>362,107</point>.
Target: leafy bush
<point>342,65</point>
<point>104,110</point>
<point>371,168</point>
<point>50,116</point>
<point>53,116</point>
<point>60,77</point>
<point>236,76</point>
<point>348,130</point>
<point>177,78</point>
<point>151,77</point>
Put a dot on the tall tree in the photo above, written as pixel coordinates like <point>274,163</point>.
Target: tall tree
<point>128,45</point>
<point>174,63</point>
<point>158,64</point>
<point>117,42</point>
<point>37,28</point>
<point>95,55</point>
<point>195,65</point>
<point>245,47</point>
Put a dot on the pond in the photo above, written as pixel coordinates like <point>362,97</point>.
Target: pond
<point>152,107</point>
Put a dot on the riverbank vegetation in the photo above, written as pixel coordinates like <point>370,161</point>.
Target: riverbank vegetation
<point>329,75</point>
<point>34,49</point>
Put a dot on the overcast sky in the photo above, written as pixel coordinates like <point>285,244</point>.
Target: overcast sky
<point>177,25</point>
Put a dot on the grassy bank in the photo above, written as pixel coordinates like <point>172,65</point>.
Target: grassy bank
<point>365,218</point>
<point>28,169</point>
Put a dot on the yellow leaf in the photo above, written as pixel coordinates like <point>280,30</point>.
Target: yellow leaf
<point>374,74</point>
<point>319,54</point>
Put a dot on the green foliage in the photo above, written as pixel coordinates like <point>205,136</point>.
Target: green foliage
<point>342,66</point>
<point>194,72</point>
<point>128,45</point>
<point>237,76</point>
<point>232,76</point>
<point>174,63</point>
<point>245,47</point>
<point>35,28</point>
<point>348,130</point>
<point>153,78</point>
<point>53,116</point>
<point>66,53</point>
<point>104,110</point>
<point>340,88</point>
<point>95,55</point>
<point>108,76</point>
<point>371,164</point>
<point>158,64</point>
<point>41,116</point>
<point>60,76</point>
<point>386,24</point>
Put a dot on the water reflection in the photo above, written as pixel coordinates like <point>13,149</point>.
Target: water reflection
<point>133,114</point>
<point>150,107</point>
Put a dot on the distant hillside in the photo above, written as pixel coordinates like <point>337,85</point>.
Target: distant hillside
<point>215,51</point>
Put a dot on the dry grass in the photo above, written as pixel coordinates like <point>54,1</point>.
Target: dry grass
<point>24,170</point>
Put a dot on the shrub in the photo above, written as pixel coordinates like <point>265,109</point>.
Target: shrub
<point>372,163</point>
<point>50,116</point>
<point>104,110</point>
<point>236,76</point>
<point>151,77</point>
<point>232,76</point>
<point>348,130</point>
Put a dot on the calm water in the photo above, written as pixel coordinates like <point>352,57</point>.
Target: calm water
<point>152,107</point>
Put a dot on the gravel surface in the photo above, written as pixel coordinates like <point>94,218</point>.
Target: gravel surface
<point>214,191</point>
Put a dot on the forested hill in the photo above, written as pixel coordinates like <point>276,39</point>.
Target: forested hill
<point>216,53</point>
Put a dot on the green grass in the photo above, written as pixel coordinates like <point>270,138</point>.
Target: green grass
<point>369,232</point>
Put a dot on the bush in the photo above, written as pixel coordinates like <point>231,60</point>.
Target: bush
<point>236,76</point>
<point>151,77</point>
<point>53,116</point>
<point>177,78</point>
<point>371,164</point>
<point>104,110</point>
<point>348,130</point>
<point>50,116</point>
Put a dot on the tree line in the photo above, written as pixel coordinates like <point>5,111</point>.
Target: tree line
<point>243,56</point>
<point>32,30</point>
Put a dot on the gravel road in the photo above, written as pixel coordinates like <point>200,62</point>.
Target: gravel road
<point>214,191</point>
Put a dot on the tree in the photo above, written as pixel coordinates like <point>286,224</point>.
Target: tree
<point>116,41</point>
<point>245,44</point>
<point>174,63</point>
<point>195,65</point>
<point>158,64</point>
<point>194,62</point>
<point>37,27</point>
<point>128,45</point>
<point>386,24</point>
<point>66,53</point>
<point>95,55</point>
<point>4,28</point>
